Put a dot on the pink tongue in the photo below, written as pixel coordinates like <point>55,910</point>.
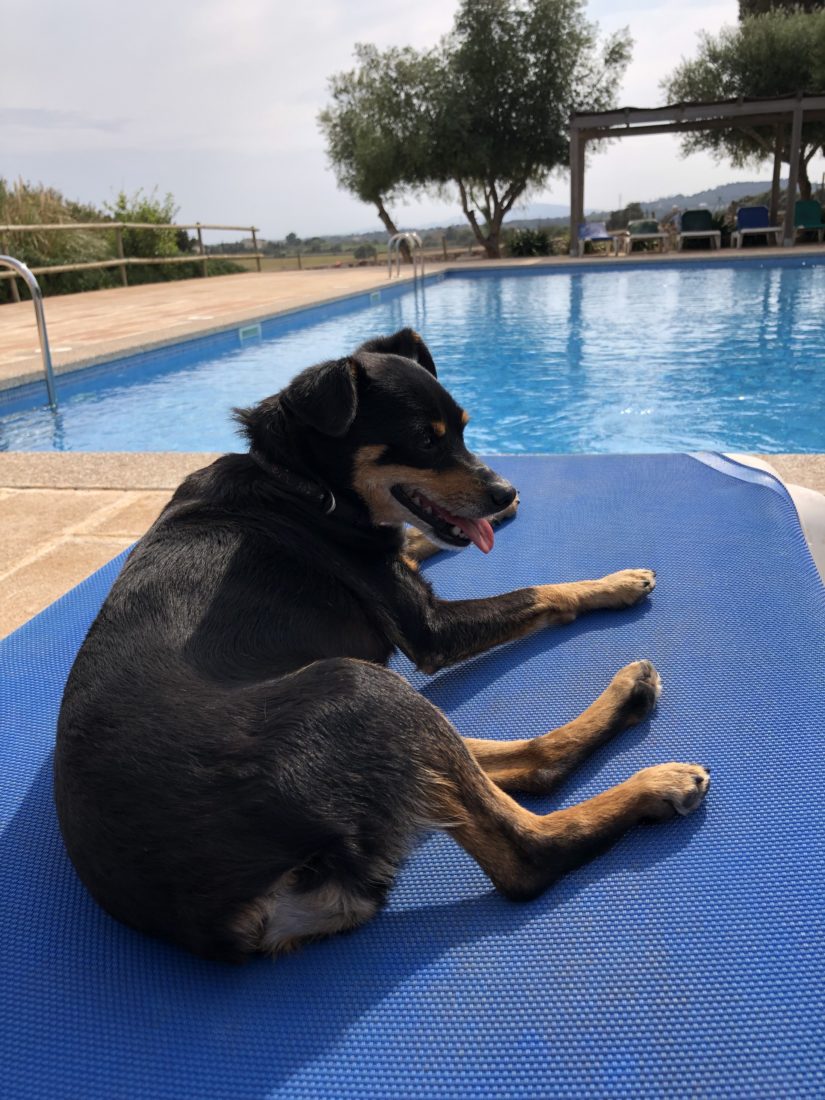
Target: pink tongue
<point>478,531</point>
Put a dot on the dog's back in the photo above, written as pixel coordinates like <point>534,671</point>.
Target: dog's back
<point>231,590</point>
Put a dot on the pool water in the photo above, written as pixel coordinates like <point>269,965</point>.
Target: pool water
<point>620,359</point>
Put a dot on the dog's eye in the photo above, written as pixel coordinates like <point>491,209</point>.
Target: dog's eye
<point>428,439</point>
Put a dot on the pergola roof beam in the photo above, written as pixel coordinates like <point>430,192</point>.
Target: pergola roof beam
<point>628,117</point>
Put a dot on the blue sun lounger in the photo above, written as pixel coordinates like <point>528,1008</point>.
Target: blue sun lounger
<point>754,221</point>
<point>687,962</point>
<point>598,233</point>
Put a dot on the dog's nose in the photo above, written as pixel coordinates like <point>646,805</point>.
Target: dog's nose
<point>502,493</point>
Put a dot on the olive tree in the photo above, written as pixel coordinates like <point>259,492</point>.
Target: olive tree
<point>510,75</point>
<point>774,54</point>
<point>483,115</point>
<point>373,127</point>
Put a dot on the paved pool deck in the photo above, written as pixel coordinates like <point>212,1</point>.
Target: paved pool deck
<point>62,516</point>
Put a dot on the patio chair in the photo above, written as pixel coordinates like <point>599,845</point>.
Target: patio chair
<point>807,218</point>
<point>697,225</point>
<point>688,959</point>
<point>598,233</point>
<point>754,221</point>
<point>645,229</point>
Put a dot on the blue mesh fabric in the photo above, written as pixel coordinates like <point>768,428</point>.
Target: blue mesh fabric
<point>687,962</point>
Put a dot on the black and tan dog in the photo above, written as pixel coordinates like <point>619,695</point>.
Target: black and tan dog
<point>236,770</point>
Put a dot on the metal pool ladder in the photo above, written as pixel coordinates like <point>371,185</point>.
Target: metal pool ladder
<point>394,245</point>
<point>37,298</point>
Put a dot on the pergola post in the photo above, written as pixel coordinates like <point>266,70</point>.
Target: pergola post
<point>789,233</point>
<point>777,174</point>
<point>577,142</point>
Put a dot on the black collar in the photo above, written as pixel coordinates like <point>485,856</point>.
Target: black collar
<point>293,485</point>
<point>341,513</point>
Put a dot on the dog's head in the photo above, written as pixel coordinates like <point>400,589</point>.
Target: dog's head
<point>378,423</point>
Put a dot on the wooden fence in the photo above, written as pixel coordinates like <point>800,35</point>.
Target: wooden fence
<point>123,262</point>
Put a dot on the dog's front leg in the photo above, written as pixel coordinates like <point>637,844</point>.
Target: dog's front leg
<point>438,633</point>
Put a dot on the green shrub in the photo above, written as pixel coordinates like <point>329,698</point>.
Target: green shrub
<point>529,242</point>
<point>23,203</point>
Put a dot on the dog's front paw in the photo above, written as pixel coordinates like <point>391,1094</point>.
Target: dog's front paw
<point>627,587</point>
<point>670,789</point>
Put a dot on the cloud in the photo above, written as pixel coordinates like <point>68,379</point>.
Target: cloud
<point>38,118</point>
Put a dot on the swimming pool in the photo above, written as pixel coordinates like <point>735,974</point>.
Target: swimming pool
<point>624,358</point>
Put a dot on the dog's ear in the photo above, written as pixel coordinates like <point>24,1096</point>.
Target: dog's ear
<point>324,397</point>
<point>405,342</point>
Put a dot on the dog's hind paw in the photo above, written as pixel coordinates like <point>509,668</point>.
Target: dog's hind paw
<point>670,789</point>
<point>639,686</point>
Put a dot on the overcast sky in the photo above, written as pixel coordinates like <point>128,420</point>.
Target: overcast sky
<point>216,101</point>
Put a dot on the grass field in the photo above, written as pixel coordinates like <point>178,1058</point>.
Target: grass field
<point>338,259</point>
<point>290,263</point>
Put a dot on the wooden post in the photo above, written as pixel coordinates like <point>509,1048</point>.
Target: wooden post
<point>255,247</point>
<point>15,293</point>
<point>577,143</point>
<point>298,254</point>
<point>119,243</point>
<point>793,174</point>
<point>204,265</point>
<point>444,248</point>
<point>777,174</point>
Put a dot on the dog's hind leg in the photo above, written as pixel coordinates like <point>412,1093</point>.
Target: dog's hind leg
<point>350,764</point>
<point>540,763</point>
<point>525,853</point>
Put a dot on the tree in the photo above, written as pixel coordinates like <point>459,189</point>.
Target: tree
<point>619,219</point>
<point>374,127</point>
<point>511,73</point>
<point>485,113</point>
<point>748,8</point>
<point>774,54</point>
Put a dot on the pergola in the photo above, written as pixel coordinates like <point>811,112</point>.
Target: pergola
<point>779,112</point>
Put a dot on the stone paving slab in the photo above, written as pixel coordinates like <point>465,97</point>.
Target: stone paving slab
<point>113,470</point>
<point>96,325</point>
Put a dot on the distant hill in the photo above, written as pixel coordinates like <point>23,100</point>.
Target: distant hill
<point>714,197</point>
<point>537,214</point>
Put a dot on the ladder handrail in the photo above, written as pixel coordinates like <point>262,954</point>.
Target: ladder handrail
<point>37,298</point>
<point>394,244</point>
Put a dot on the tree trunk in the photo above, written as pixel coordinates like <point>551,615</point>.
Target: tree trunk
<point>495,209</point>
<point>494,232</point>
<point>804,181</point>
<point>470,214</point>
<point>392,229</point>
<point>488,242</point>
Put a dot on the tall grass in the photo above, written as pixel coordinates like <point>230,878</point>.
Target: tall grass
<point>23,203</point>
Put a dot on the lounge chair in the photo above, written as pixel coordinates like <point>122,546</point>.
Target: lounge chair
<point>598,233</point>
<point>646,229</point>
<point>807,218</point>
<point>697,225</point>
<point>754,221</point>
<point>686,960</point>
